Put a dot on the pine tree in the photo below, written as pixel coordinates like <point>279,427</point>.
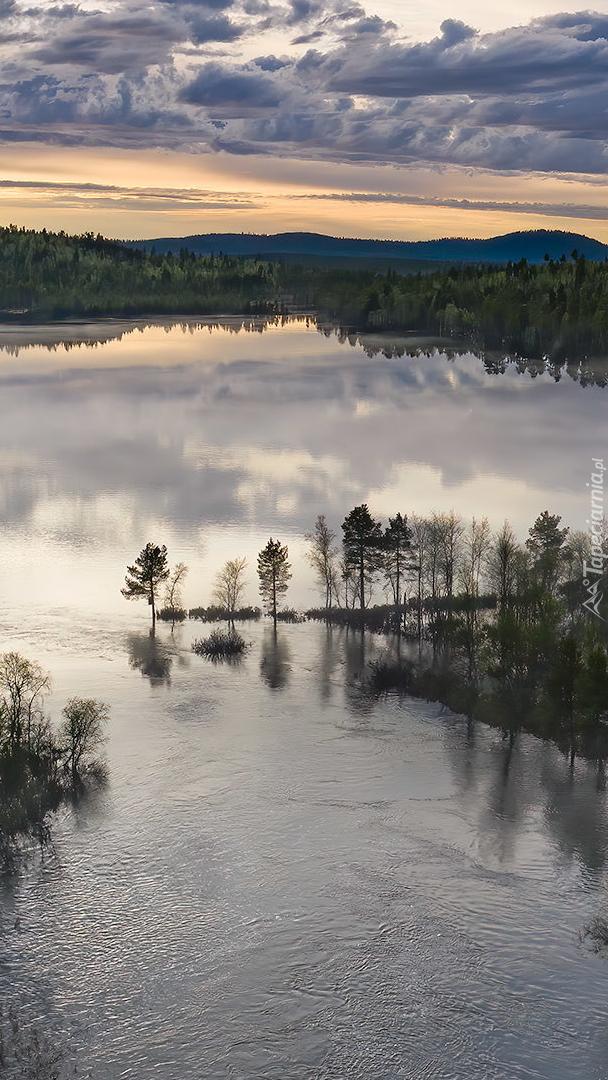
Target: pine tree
<point>274,573</point>
<point>363,543</point>
<point>147,573</point>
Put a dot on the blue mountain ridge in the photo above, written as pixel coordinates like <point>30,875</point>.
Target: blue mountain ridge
<point>532,245</point>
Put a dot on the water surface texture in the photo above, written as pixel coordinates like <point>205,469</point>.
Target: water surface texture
<point>284,877</point>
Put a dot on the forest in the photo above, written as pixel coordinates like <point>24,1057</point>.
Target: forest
<point>558,308</point>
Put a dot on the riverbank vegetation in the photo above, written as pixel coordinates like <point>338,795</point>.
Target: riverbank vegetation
<point>558,308</point>
<point>510,633</point>
<point>41,766</point>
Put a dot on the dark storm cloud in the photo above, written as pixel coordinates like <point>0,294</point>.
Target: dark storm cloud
<point>305,39</point>
<point>112,45</point>
<point>197,5</point>
<point>270,63</point>
<point>219,87</point>
<point>214,28</point>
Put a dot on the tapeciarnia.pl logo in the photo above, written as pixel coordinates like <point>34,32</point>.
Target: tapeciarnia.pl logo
<point>594,570</point>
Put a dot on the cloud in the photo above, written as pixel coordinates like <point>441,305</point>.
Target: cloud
<point>527,98</point>
<point>109,44</point>
<point>540,57</point>
<point>62,193</point>
<point>227,91</point>
<point>270,63</point>
<point>207,28</point>
<point>540,209</point>
<point>305,39</point>
<point>58,193</point>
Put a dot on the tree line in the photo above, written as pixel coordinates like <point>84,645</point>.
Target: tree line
<point>558,308</point>
<point>505,630</point>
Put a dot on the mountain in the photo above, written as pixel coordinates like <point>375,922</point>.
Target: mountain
<point>314,247</point>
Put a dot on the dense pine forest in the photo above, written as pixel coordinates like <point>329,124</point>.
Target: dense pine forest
<point>558,308</point>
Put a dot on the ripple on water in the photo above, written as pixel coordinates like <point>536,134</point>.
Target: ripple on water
<point>268,889</point>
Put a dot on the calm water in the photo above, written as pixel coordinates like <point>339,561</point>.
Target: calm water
<point>285,879</point>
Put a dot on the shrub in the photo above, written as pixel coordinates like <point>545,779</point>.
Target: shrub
<point>172,614</point>
<point>390,675</point>
<point>219,614</point>
<point>221,645</point>
<point>596,934</point>
<point>288,615</point>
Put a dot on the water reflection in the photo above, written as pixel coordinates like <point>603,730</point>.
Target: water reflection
<point>150,656</point>
<point>329,660</point>
<point>259,431</point>
<point>275,659</point>
<point>325,880</point>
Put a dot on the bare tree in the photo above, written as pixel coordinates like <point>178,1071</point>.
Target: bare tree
<point>82,733</point>
<point>323,556</point>
<point>420,539</point>
<point>173,592</point>
<point>475,551</point>
<point>476,545</point>
<point>503,566</point>
<point>229,586</point>
<point>23,684</point>
<point>450,542</point>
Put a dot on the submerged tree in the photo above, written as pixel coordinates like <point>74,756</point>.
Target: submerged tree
<point>173,591</point>
<point>322,555</point>
<point>545,543</point>
<point>229,586</point>
<point>363,542</point>
<point>23,684</point>
<point>274,573</point>
<point>397,544</point>
<point>502,566</point>
<point>82,734</point>
<point>144,577</point>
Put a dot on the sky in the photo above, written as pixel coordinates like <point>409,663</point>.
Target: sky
<point>401,120</point>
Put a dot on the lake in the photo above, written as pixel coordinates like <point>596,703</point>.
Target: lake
<point>286,878</point>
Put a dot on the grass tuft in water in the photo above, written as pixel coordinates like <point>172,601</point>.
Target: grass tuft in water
<point>221,645</point>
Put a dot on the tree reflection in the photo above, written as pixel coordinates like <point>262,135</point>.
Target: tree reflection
<point>331,640</point>
<point>357,692</point>
<point>275,664</point>
<point>150,656</point>
<point>575,810</point>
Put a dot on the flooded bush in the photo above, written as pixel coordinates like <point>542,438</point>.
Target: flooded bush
<point>390,675</point>
<point>41,767</point>
<point>288,615</point>
<point>28,1053</point>
<point>595,934</point>
<point>221,614</point>
<point>172,615</point>
<point>221,645</point>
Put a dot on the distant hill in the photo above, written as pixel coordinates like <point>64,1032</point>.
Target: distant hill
<point>316,248</point>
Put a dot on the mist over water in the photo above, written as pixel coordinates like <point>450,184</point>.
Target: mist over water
<point>286,877</point>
